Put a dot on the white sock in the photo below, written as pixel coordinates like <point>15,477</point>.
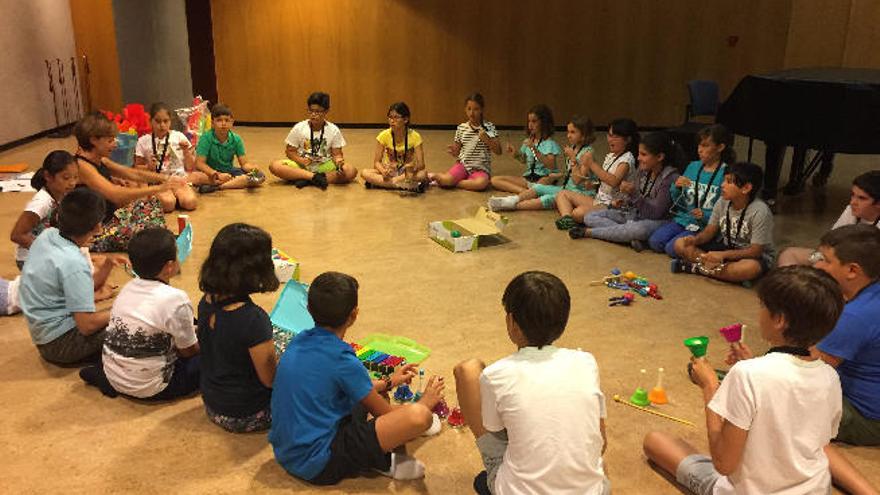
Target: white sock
<point>502,203</point>
<point>435,427</point>
<point>404,467</point>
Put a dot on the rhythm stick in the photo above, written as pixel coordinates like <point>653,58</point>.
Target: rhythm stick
<point>651,411</point>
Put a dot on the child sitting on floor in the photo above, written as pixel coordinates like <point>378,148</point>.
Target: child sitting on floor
<point>737,244</point>
<point>528,446</point>
<point>314,150</point>
<point>473,145</point>
<point>57,177</point>
<point>215,152</point>
<point>658,169</point>
<point>579,158</point>
<point>538,153</point>
<point>169,152</point>
<point>237,352</point>
<point>863,208</point>
<point>150,349</point>
<point>771,420</point>
<point>851,254</point>
<point>399,158</point>
<point>320,431</point>
<point>57,293</point>
<point>619,166</point>
<point>696,191</point>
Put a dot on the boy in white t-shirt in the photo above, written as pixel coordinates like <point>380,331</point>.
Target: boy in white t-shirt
<point>863,207</point>
<point>150,349</point>
<point>771,420</point>
<point>314,150</point>
<point>526,446</point>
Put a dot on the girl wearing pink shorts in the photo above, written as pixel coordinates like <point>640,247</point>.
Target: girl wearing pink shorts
<point>475,141</point>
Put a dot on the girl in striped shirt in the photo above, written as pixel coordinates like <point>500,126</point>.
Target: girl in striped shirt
<point>475,141</point>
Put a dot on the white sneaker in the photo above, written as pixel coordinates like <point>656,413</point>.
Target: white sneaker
<point>404,467</point>
<point>503,203</point>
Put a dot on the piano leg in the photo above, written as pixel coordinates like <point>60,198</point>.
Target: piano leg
<point>772,167</point>
<point>796,178</point>
<point>825,169</point>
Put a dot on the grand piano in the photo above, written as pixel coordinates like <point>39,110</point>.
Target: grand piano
<point>828,110</point>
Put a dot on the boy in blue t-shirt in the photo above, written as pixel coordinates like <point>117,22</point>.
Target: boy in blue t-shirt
<point>57,292</point>
<point>322,394</point>
<point>851,254</point>
<point>216,150</point>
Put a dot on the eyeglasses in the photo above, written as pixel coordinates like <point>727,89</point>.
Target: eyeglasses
<point>313,111</point>
<point>395,117</point>
<point>816,257</point>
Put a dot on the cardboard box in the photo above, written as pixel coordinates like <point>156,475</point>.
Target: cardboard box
<point>286,268</point>
<point>484,227</point>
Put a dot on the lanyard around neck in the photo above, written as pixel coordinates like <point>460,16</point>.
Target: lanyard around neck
<point>697,203</point>
<point>859,220</point>
<point>400,160</point>
<point>316,146</point>
<point>790,349</point>
<point>742,218</point>
<point>164,150</point>
<point>573,164</point>
<point>535,155</point>
<point>649,184</point>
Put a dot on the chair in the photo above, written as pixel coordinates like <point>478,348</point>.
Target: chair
<point>703,102</point>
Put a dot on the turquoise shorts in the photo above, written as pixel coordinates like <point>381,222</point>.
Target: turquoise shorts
<point>546,193</point>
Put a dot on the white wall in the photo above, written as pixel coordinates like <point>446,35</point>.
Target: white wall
<point>32,31</point>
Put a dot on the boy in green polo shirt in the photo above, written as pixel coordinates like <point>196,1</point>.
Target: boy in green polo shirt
<point>215,152</point>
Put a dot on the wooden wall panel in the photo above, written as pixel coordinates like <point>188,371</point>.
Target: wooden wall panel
<point>95,36</point>
<point>863,36</point>
<point>817,33</point>
<point>602,58</point>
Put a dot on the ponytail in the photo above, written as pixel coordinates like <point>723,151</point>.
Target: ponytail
<point>627,128</point>
<point>55,162</point>
<point>661,142</point>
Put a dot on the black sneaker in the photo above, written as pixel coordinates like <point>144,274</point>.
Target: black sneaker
<point>95,377</point>
<point>208,188</point>
<point>320,180</point>
<point>679,265</point>
<point>301,183</point>
<point>481,484</point>
<point>637,245</point>
<point>577,232</point>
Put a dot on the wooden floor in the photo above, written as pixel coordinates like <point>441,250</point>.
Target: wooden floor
<point>59,436</point>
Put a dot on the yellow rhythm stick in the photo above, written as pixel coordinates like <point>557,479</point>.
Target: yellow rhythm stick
<point>651,411</point>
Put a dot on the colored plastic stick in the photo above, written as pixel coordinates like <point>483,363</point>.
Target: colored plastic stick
<point>618,399</point>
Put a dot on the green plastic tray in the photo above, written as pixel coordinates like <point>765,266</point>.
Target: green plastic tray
<point>406,348</point>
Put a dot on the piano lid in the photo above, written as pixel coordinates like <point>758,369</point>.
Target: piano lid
<point>831,109</point>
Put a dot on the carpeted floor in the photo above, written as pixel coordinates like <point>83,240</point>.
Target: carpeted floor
<point>60,436</point>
